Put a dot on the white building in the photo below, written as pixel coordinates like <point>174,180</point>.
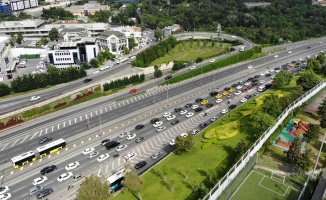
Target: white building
<point>69,54</point>
<point>129,31</point>
<point>113,41</point>
<point>20,5</point>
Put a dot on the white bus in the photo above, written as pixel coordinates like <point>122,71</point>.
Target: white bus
<point>115,180</point>
<point>51,148</point>
<point>23,159</point>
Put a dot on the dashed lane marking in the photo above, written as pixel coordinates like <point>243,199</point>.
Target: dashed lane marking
<point>58,126</point>
<point>41,132</point>
<point>24,139</point>
<point>91,115</point>
<point>4,147</point>
<point>34,135</point>
<point>46,131</point>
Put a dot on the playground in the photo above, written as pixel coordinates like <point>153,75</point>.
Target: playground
<point>259,186</point>
<point>295,128</point>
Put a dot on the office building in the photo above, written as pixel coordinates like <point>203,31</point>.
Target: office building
<point>87,9</point>
<point>5,9</point>
<point>114,41</point>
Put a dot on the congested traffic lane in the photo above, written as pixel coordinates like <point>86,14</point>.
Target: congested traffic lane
<point>89,166</point>
<point>75,128</point>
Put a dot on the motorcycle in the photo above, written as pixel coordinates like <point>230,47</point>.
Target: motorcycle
<point>115,155</point>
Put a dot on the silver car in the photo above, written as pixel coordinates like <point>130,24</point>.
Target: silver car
<point>121,147</point>
<point>156,155</point>
<point>124,134</point>
<point>161,128</point>
<point>93,154</point>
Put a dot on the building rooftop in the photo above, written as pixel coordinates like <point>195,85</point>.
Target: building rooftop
<point>115,33</point>
<point>72,29</point>
<point>3,39</point>
<point>27,23</point>
<point>68,44</point>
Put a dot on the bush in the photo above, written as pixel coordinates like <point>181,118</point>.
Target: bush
<point>119,83</point>
<point>177,65</point>
<point>199,59</point>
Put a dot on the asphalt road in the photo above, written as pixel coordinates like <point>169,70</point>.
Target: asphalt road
<point>149,131</point>
<point>72,124</point>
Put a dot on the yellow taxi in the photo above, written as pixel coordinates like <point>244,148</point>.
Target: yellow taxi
<point>231,90</point>
<point>204,102</point>
<point>225,93</point>
<point>218,96</point>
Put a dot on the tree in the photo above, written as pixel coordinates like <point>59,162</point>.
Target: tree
<point>322,108</point>
<point>184,144</point>
<point>158,34</point>
<point>53,34</point>
<point>294,150</point>
<point>44,40</point>
<point>132,181</point>
<point>240,149</point>
<point>281,79</point>
<point>272,106</point>
<point>93,62</point>
<point>260,122</point>
<point>308,80</point>
<point>157,72</point>
<point>20,38</point>
<point>94,187</point>
<point>100,16</point>
<point>132,43</point>
<point>4,90</point>
<point>312,133</point>
<point>314,65</point>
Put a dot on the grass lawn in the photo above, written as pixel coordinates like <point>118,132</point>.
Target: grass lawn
<point>184,52</point>
<point>263,187</point>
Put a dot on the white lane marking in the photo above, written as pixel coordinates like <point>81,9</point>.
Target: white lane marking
<point>95,112</point>
<point>123,103</point>
<point>110,108</point>
<point>115,106</point>
<point>24,139</point>
<point>81,118</point>
<point>131,100</point>
<point>106,110</point>
<point>69,122</point>
<point>52,128</point>
<point>46,130</point>
<point>34,135</point>
<point>75,120</point>
<point>41,132</point>
<point>86,116</point>
<point>64,124</point>
<point>91,114</point>
<point>4,147</point>
<point>58,126</point>
<point>14,143</point>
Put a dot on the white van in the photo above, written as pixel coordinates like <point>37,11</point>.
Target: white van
<point>261,88</point>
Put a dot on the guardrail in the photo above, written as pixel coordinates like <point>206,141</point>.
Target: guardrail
<point>234,171</point>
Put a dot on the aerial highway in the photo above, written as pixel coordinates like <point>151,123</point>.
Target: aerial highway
<point>17,102</point>
<point>124,112</point>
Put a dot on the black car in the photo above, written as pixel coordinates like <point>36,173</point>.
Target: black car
<point>240,82</point>
<point>248,96</point>
<point>43,193</point>
<point>78,177</point>
<point>139,139</point>
<point>203,125</point>
<point>254,80</point>
<point>21,66</point>
<point>213,93</point>
<point>198,109</point>
<point>257,76</point>
<point>188,105</point>
<point>105,141</point>
<point>268,75</point>
<point>139,126</point>
<point>234,85</point>
<point>154,120</point>
<point>232,106</point>
<point>111,144</point>
<point>88,80</point>
<point>175,122</point>
<point>250,79</point>
<point>45,139</point>
<point>168,77</point>
<point>198,100</point>
<point>227,89</point>
<point>268,85</point>
<point>308,47</point>
<point>177,109</point>
<point>48,169</point>
<point>140,164</point>
<point>255,83</point>
<point>209,105</point>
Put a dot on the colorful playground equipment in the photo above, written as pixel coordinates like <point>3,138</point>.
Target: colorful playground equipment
<point>298,128</point>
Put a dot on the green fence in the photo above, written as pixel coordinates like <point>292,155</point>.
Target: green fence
<point>29,56</point>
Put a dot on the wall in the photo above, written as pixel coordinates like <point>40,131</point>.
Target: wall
<point>90,52</point>
<point>18,51</point>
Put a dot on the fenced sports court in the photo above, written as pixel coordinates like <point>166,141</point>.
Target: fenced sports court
<point>259,186</point>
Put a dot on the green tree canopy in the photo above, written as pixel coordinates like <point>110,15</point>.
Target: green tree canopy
<point>93,62</point>
<point>132,182</point>
<point>157,72</point>
<point>314,65</point>
<point>94,187</point>
<point>184,144</point>
<point>308,80</point>
<point>20,38</point>
<point>259,122</point>
<point>312,133</point>
<point>53,34</point>
<point>57,13</point>
<point>4,89</point>
<point>132,43</point>
<point>100,16</point>
<point>158,34</point>
<point>281,79</point>
<point>272,105</point>
<point>240,149</point>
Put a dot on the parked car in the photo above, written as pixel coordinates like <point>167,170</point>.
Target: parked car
<point>168,77</point>
<point>140,164</point>
<point>139,126</point>
<point>156,155</point>
<point>88,80</point>
<point>78,177</point>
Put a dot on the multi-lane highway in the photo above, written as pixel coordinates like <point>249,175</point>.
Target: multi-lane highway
<point>125,111</point>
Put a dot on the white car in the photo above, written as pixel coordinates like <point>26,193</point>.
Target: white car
<point>157,124</point>
<point>192,67</point>
<point>39,180</point>
<point>195,131</point>
<point>71,166</point>
<point>34,98</point>
<point>23,62</point>
<point>189,114</point>
<point>131,136</point>
<point>239,87</point>
<point>184,134</point>
<point>161,128</point>
<point>172,142</point>
<point>4,189</point>
<point>5,196</point>
<point>266,72</point>
<point>249,66</point>
<point>262,81</point>
<point>93,154</point>
<point>194,107</point>
<point>224,111</point>
<point>243,100</point>
<point>124,134</point>
<point>213,119</point>
<point>166,114</point>
<point>246,83</point>
<point>96,72</point>
<point>103,157</point>
<point>121,147</point>
<point>276,56</point>
<point>277,71</point>
<point>130,156</point>
<point>289,51</point>
<point>262,74</point>
<point>88,150</point>
<point>182,112</point>
<point>237,92</point>
<point>64,176</point>
<point>170,117</point>
<point>212,60</point>
<point>271,70</point>
<point>272,77</point>
<point>218,100</point>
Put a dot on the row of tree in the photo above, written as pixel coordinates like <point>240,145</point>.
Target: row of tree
<point>144,58</point>
<point>53,76</point>
<point>57,13</point>
<point>120,83</point>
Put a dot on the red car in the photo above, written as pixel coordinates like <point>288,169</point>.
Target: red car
<point>244,89</point>
<point>133,90</point>
<point>250,86</point>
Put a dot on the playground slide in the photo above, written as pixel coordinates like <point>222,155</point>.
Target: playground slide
<point>304,126</point>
